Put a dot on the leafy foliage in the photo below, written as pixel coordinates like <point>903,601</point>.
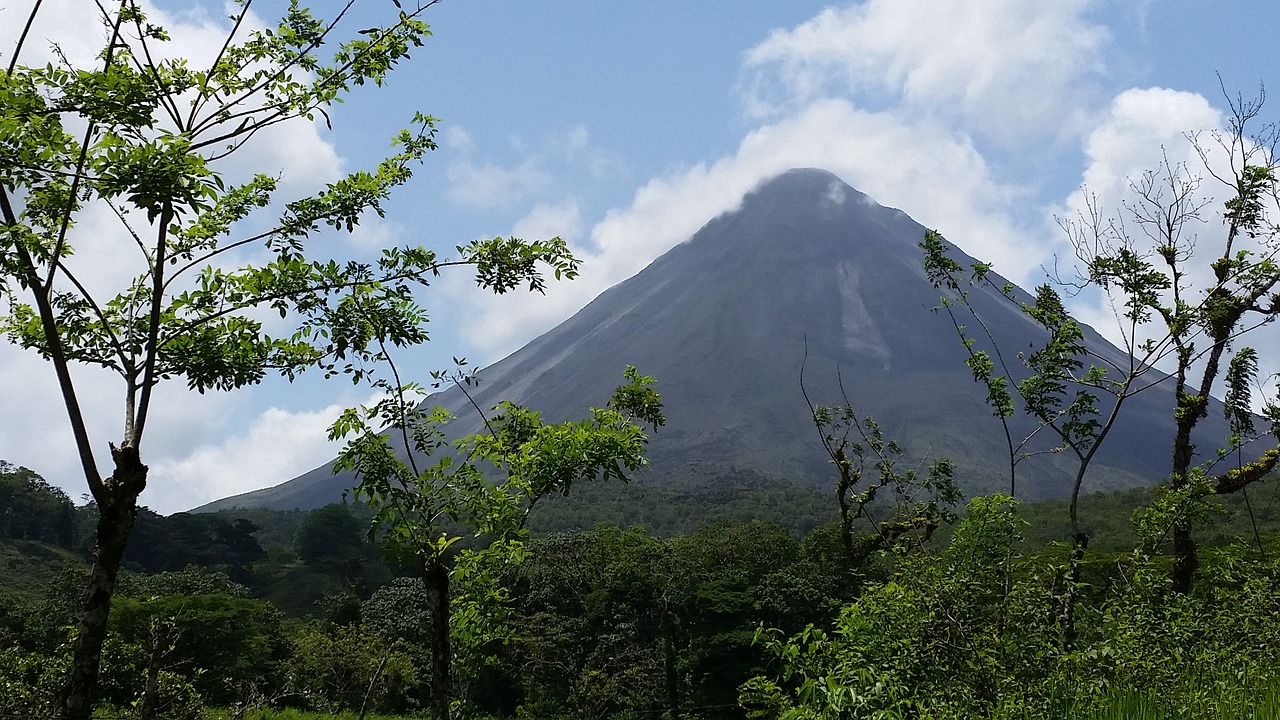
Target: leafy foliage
<point>215,641</point>
<point>866,464</point>
<point>535,459</point>
<point>1194,320</point>
<point>351,668</point>
<point>412,504</point>
<point>1049,383</point>
<point>972,632</point>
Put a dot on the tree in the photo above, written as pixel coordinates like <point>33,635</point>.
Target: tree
<point>166,544</point>
<point>1171,307</point>
<point>350,668</point>
<point>486,483</point>
<point>1192,310</point>
<point>587,623</point>
<point>948,632</point>
<point>866,464</point>
<point>1050,383</point>
<point>216,640</point>
<point>150,134</point>
<point>332,539</point>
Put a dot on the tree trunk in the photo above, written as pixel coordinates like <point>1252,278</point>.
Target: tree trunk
<point>435,576</point>
<point>1184,559</point>
<point>117,508</point>
<point>161,642</point>
<point>1080,542</point>
<point>1189,411</point>
<point>843,486</point>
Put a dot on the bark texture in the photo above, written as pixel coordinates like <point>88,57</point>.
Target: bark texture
<point>117,509</point>
<point>435,576</point>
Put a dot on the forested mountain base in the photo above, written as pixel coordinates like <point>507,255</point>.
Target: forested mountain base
<point>736,619</point>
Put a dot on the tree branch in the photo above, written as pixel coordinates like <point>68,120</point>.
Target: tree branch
<point>56,354</point>
<point>1239,478</point>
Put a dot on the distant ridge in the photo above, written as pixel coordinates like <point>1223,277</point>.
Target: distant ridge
<point>723,321</point>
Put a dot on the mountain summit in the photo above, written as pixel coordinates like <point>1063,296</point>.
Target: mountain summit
<point>809,272</point>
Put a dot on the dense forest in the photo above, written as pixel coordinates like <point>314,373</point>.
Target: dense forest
<point>255,613</point>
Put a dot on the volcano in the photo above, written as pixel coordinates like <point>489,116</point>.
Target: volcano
<point>806,274</point>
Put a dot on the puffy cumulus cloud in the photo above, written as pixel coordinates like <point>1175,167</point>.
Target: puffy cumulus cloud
<point>191,444</point>
<point>186,467</point>
<point>1141,128</point>
<point>278,445</point>
<point>1160,130</point>
<point>923,169</point>
<point>1008,68</point>
<point>373,233</point>
<point>458,138</point>
<point>296,152</point>
<point>77,31</point>
<point>36,432</point>
<point>39,436</point>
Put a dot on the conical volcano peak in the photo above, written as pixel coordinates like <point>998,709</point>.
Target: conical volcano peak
<point>807,186</point>
<point>808,212</point>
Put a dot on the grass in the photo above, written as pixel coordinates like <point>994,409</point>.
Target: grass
<point>1228,699</point>
<point>28,567</point>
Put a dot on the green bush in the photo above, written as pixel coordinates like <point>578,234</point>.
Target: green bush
<point>333,672</point>
<point>217,641</point>
<point>977,632</point>
<point>30,683</point>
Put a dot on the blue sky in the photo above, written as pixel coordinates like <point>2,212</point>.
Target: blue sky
<point>623,127</point>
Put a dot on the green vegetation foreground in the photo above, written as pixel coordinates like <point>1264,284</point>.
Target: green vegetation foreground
<point>618,623</point>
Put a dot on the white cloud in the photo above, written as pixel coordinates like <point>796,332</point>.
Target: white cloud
<point>1008,69</point>
<point>374,233</point>
<point>278,445</point>
<point>1142,129</point>
<point>563,219</point>
<point>39,434</point>
<point>36,432</point>
<point>458,138</point>
<point>1139,128</point>
<point>194,445</point>
<point>296,152</point>
<point>491,185</point>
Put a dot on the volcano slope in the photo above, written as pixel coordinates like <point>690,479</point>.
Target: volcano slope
<point>806,271</point>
